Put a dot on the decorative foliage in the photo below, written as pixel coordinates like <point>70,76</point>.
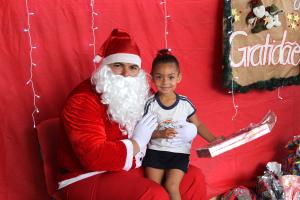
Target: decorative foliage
<point>293,21</point>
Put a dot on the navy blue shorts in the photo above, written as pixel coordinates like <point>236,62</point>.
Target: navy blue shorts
<point>166,160</point>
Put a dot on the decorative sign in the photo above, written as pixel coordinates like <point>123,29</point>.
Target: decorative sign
<point>261,44</point>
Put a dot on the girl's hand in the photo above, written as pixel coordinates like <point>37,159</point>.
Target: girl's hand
<point>167,133</point>
<point>218,139</point>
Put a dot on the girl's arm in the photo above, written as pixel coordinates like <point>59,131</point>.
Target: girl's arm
<point>201,128</point>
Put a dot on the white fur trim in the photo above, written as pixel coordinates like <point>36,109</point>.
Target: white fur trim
<point>69,181</point>
<point>122,57</point>
<point>129,157</point>
<point>127,166</point>
<point>139,157</point>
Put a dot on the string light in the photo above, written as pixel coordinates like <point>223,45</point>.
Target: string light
<point>32,64</point>
<point>235,106</point>
<point>93,14</point>
<point>278,93</point>
<point>166,16</point>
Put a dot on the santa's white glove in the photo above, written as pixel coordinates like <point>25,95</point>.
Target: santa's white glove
<point>185,132</point>
<point>143,130</point>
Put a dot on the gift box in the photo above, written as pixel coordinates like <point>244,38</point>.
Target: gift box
<point>291,186</point>
<point>245,135</point>
<point>292,161</point>
<point>268,185</point>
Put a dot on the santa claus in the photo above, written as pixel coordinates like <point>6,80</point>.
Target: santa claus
<point>106,133</point>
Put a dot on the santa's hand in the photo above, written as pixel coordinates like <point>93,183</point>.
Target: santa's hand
<point>185,132</point>
<point>143,130</point>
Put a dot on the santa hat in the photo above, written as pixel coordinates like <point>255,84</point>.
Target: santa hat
<point>119,47</point>
<point>273,9</point>
<point>256,3</point>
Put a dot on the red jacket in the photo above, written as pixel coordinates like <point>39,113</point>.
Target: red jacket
<point>91,141</point>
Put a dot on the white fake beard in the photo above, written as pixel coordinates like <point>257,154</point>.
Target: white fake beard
<point>125,96</point>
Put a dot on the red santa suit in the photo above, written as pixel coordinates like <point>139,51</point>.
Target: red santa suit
<point>92,142</point>
<point>94,138</point>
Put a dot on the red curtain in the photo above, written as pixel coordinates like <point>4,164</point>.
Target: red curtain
<point>61,31</point>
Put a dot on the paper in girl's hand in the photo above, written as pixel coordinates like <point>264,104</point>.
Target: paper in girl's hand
<point>245,135</point>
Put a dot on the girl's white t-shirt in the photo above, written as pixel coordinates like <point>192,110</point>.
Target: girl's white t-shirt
<point>168,116</point>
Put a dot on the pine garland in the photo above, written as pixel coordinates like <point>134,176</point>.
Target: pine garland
<point>228,82</point>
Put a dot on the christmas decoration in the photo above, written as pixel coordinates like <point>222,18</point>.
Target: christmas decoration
<point>292,164</point>
<point>268,185</point>
<point>239,193</point>
<point>293,21</point>
<point>273,14</point>
<point>263,18</point>
<point>291,187</point>
<point>235,14</point>
<point>256,17</point>
<point>260,45</point>
<point>94,28</point>
<point>166,17</point>
<point>31,66</point>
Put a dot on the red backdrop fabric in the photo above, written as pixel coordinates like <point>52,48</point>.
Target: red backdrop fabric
<point>61,31</point>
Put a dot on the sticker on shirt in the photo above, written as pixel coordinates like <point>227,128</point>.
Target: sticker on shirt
<point>166,124</point>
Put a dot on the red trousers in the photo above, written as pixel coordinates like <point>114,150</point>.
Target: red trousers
<point>131,185</point>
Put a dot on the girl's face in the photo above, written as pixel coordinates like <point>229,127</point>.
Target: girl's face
<point>165,77</point>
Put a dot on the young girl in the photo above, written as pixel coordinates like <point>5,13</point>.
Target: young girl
<point>164,159</point>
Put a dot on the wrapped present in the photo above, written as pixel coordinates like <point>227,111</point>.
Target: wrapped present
<point>292,162</point>
<point>245,135</point>
<point>291,187</point>
<point>268,185</point>
<point>239,193</point>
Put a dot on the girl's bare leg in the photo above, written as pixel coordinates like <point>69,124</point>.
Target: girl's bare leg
<point>173,179</point>
<point>154,174</point>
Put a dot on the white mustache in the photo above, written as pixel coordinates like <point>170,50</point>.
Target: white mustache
<point>125,96</point>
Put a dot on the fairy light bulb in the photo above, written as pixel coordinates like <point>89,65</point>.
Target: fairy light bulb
<point>94,28</point>
<point>30,81</point>
<point>166,18</point>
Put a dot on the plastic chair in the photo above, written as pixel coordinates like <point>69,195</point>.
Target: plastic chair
<point>48,132</point>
